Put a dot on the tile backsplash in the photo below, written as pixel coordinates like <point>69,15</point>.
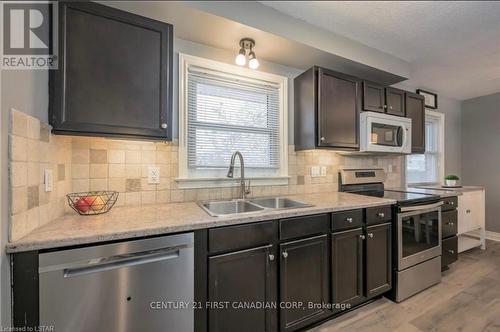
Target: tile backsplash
<point>32,150</point>
<point>82,164</point>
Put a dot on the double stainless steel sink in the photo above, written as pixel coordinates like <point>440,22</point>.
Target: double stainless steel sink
<point>238,206</point>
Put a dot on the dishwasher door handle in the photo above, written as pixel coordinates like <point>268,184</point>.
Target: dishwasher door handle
<point>120,261</point>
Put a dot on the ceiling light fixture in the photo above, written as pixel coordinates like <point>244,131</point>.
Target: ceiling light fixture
<point>241,60</point>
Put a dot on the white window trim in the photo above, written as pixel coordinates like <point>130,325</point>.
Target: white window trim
<point>440,117</point>
<point>186,182</point>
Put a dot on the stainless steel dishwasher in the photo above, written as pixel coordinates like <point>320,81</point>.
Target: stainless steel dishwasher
<point>120,287</point>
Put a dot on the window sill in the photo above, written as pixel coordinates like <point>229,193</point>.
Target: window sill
<point>199,183</point>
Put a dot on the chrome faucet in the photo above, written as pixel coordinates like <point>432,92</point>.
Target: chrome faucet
<point>244,190</point>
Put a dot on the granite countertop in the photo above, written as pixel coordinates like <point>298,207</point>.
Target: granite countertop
<point>459,190</point>
<point>440,192</point>
<point>132,222</point>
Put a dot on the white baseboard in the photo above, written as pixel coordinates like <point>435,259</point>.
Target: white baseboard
<point>493,236</point>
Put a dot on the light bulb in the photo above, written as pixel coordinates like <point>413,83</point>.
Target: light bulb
<point>241,58</point>
<point>253,63</point>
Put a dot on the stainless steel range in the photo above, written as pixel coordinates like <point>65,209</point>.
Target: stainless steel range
<point>416,235</point>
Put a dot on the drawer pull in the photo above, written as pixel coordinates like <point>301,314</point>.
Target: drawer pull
<point>451,251</point>
<point>450,223</point>
<point>381,215</point>
<point>370,235</point>
<point>362,237</point>
<point>271,257</point>
<point>450,203</point>
<point>285,254</point>
<point>348,219</point>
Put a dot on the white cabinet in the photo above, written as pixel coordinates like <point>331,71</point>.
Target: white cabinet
<point>470,211</point>
<point>471,220</point>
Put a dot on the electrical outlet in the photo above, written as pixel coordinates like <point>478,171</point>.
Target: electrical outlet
<point>48,180</point>
<point>323,171</point>
<point>153,175</point>
<point>315,171</point>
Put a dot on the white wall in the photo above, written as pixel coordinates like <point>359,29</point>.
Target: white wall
<point>452,110</point>
<point>204,51</point>
<point>481,151</point>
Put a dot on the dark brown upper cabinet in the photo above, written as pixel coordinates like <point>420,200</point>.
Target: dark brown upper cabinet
<point>415,110</point>
<point>114,76</point>
<point>304,278</point>
<point>327,106</point>
<point>373,97</point>
<point>395,101</point>
<point>377,98</point>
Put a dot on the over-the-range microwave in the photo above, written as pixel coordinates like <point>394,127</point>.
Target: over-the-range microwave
<point>383,133</point>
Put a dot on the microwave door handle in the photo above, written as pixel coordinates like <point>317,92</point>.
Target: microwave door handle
<point>405,136</point>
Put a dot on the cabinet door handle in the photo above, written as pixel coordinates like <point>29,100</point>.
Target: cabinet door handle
<point>271,257</point>
<point>381,215</point>
<point>390,107</point>
<point>323,139</point>
<point>370,235</point>
<point>164,125</point>
<point>348,219</point>
<point>451,251</point>
<point>362,237</point>
<point>285,254</point>
<point>385,106</point>
<point>451,223</point>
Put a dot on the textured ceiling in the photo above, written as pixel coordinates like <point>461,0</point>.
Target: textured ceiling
<point>453,46</point>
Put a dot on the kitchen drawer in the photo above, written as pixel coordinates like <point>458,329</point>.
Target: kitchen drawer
<point>240,236</point>
<point>303,226</point>
<point>378,214</point>
<point>450,223</point>
<point>450,203</point>
<point>347,219</point>
<point>450,251</point>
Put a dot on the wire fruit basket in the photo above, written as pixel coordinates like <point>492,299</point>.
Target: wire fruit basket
<point>92,202</point>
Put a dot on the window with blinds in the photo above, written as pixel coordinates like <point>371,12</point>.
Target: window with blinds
<point>228,113</point>
<point>425,168</point>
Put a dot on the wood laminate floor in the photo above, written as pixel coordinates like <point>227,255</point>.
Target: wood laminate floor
<point>467,299</point>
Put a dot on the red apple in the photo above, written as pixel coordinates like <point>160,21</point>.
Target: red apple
<point>83,204</point>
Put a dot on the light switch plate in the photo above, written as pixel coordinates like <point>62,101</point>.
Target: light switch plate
<point>48,180</point>
<point>389,168</point>
<point>315,171</point>
<point>323,171</point>
<point>153,175</point>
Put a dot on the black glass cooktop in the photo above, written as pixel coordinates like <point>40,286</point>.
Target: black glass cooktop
<point>400,196</point>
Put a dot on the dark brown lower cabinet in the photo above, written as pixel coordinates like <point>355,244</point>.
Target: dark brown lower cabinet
<point>378,259</point>
<point>304,279</point>
<point>347,267</point>
<point>450,251</point>
<point>242,277</point>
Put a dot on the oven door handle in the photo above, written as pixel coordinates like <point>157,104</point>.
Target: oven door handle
<point>420,207</point>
